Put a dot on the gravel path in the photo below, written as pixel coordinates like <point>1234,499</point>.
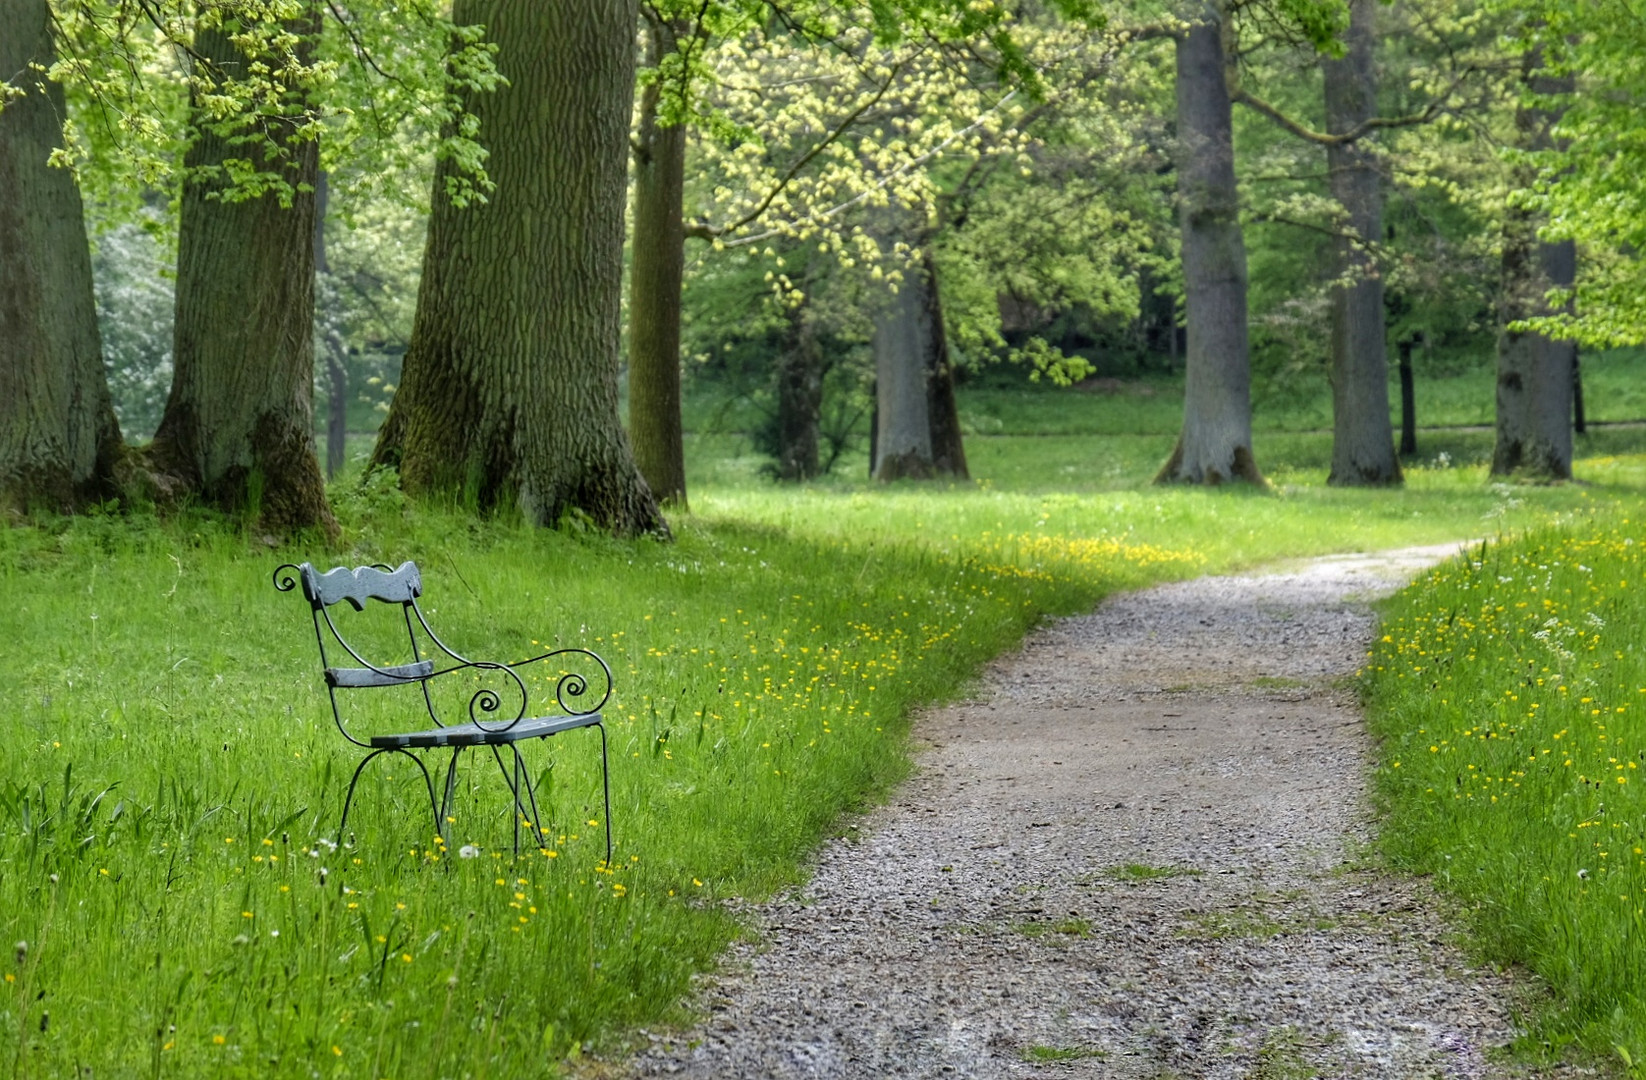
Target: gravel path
<point>1137,853</point>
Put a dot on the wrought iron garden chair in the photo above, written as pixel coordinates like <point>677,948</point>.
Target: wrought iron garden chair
<point>489,723</point>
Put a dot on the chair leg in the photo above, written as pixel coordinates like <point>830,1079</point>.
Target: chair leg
<point>537,815</point>
<point>514,790</point>
<point>449,802</point>
<point>428,785</point>
<point>606,784</point>
<point>348,800</point>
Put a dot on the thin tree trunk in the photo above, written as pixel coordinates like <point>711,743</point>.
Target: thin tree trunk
<point>657,270</point>
<point>337,374</point>
<point>1216,442</point>
<point>238,427</point>
<point>1408,401</point>
<point>942,411</point>
<point>1580,423</point>
<point>1363,452</point>
<point>799,399</point>
<point>59,440</point>
<point>1534,372</point>
<point>508,393</point>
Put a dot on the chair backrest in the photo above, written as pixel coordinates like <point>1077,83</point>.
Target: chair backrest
<point>356,587</point>
<point>400,586</point>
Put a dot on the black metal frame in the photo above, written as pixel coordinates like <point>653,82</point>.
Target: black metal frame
<point>403,585</point>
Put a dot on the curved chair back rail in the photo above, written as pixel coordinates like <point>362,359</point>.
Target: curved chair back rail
<point>488,724</point>
<point>363,583</point>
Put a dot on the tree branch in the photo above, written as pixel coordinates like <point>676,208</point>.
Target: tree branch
<point>704,231</point>
<point>1435,107</point>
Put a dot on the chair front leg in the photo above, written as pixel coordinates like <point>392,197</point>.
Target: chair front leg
<point>448,804</point>
<point>348,800</point>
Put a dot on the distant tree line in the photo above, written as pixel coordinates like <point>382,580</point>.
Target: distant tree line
<point>854,201</point>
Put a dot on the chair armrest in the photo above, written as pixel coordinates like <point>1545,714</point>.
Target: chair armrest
<point>577,692</point>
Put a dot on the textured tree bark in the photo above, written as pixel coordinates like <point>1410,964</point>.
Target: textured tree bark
<point>903,428</point>
<point>1534,373</point>
<point>799,400</point>
<point>59,440</point>
<point>656,273</point>
<point>1363,452</point>
<point>1216,442</point>
<point>1408,401</point>
<point>237,432</point>
<point>508,393</point>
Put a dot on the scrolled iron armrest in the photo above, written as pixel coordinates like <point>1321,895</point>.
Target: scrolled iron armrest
<point>572,686</point>
<point>487,700</point>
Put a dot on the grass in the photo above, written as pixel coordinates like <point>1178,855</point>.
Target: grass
<point>1508,691</point>
<point>1046,1055</point>
<point>172,781</point>
<point>1144,872</point>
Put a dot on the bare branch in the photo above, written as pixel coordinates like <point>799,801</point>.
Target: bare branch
<point>1434,108</point>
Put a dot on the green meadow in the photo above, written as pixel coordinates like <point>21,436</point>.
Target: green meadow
<point>1508,689</point>
<point>175,897</point>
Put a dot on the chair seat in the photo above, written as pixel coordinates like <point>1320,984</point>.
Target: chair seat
<point>475,735</point>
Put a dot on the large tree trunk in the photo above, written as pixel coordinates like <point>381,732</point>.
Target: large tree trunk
<point>903,429</point>
<point>1534,372</point>
<point>917,425</point>
<point>799,399</point>
<point>508,393</point>
<point>59,440</point>
<point>657,269</point>
<point>1363,452</point>
<point>238,427</point>
<point>1216,443</point>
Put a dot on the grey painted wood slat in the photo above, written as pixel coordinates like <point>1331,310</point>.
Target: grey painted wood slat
<point>361,584</point>
<point>356,678</point>
<point>473,735</point>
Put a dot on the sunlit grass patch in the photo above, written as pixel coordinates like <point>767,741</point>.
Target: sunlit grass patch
<point>1508,689</point>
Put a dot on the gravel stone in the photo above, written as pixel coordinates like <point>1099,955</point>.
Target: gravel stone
<point>1138,852</point>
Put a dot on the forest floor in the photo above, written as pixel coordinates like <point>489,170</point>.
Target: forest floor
<point>1141,850</point>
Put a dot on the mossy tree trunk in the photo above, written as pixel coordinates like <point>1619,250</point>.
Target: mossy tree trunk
<point>508,393</point>
<point>1534,372</point>
<point>59,440</point>
<point>237,432</point>
<point>1363,451</point>
<point>1216,441</point>
<point>657,270</point>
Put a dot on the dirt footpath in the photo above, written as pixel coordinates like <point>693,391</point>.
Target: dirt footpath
<point>1140,852</point>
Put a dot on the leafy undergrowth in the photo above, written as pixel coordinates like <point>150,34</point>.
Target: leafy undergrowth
<point>1509,692</point>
